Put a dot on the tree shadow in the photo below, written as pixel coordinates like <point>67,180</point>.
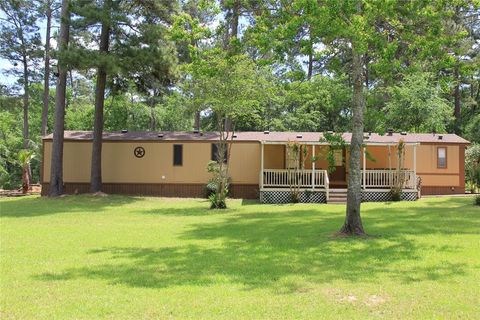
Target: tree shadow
<point>39,206</point>
<point>265,249</point>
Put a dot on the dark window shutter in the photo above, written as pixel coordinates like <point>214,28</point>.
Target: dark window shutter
<point>177,154</point>
<point>215,152</point>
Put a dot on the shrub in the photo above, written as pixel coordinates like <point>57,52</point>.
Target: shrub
<point>477,200</point>
<point>216,202</point>
<point>210,189</point>
<point>294,197</point>
<point>396,194</point>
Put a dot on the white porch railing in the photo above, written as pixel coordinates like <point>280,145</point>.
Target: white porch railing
<point>388,178</point>
<point>281,178</point>
<point>302,178</point>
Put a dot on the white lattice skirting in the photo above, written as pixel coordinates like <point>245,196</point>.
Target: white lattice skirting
<point>281,196</point>
<point>383,196</point>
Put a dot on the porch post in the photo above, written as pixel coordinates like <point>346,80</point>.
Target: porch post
<point>313,166</point>
<point>364,167</point>
<point>390,176</point>
<point>414,165</point>
<point>260,181</point>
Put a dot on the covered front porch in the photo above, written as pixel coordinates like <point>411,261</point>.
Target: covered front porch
<point>316,184</point>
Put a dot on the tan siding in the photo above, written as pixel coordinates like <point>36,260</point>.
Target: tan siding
<point>245,163</point>
<point>47,154</point>
<point>120,165</point>
<point>274,156</point>
<point>439,180</point>
<point>320,153</point>
<point>427,159</point>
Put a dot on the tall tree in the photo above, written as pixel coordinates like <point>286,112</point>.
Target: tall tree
<point>132,48</point>
<point>19,43</point>
<point>56,171</point>
<point>48,9</point>
<point>226,87</point>
<point>96,166</point>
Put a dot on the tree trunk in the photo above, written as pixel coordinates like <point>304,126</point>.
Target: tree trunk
<point>153,119</point>
<point>310,56</point>
<point>235,19</point>
<point>196,124</point>
<point>25,103</point>
<point>457,98</point>
<point>25,179</point>
<point>96,173</point>
<point>353,222</point>
<point>46,82</point>
<point>56,171</point>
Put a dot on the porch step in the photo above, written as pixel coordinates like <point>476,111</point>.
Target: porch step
<point>337,196</point>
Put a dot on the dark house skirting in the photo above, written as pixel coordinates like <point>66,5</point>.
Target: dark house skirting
<point>433,190</point>
<point>180,190</point>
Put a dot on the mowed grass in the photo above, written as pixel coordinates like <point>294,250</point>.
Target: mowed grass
<point>84,257</point>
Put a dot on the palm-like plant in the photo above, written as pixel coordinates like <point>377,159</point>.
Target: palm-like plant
<point>24,158</point>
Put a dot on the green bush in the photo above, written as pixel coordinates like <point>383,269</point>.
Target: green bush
<point>216,202</point>
<point>477,200</point>
<point>396,194</point>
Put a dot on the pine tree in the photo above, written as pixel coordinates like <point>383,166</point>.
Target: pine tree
<point>20,44</point>
<point>56,171</point>
<point>132,47</point>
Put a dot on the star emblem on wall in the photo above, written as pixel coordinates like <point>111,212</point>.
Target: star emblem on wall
<point>139,152</point>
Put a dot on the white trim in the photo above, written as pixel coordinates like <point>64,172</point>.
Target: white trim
<point>313,167</point>
<point>364,166</point>
<point>388,190</point>
<point>261,165</point>
<point>415,164</point>
<point>318,143</point>
<point>322,189</point>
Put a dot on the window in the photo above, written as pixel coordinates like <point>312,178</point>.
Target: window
<point>214,156</point>
<point>177,154</point>
<point>441,157</point>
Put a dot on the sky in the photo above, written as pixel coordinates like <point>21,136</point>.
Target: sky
<point>5,64</point>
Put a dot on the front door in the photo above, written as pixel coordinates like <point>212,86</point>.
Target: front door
<point>339,175</point>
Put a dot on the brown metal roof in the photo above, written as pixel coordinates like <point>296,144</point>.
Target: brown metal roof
<point>373,138</point>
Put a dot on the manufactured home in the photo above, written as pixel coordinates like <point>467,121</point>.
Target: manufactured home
<point>173,164</point>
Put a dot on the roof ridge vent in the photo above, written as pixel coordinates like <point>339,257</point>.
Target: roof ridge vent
<point>160,135</point>
<point>124,130</point>
<point>299,136</point>
<point>403,133</point>
<point>440,137</point>
<point>266,132</point>
<point>196,131</point>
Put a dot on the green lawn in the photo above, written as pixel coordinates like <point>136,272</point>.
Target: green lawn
<point>82,257</point>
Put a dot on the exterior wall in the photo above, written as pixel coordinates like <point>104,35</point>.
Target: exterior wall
<point>274,156</point>
<point>449,180</point>
<point>320,153</point>
<point>119,165</point>
<point>154,174</point>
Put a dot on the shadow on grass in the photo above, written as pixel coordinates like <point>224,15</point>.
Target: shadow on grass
<point>263,249</point>
<point>40,206</point>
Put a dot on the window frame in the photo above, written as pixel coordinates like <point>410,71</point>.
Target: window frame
<point>438,158</point>
<point>181,155</point>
